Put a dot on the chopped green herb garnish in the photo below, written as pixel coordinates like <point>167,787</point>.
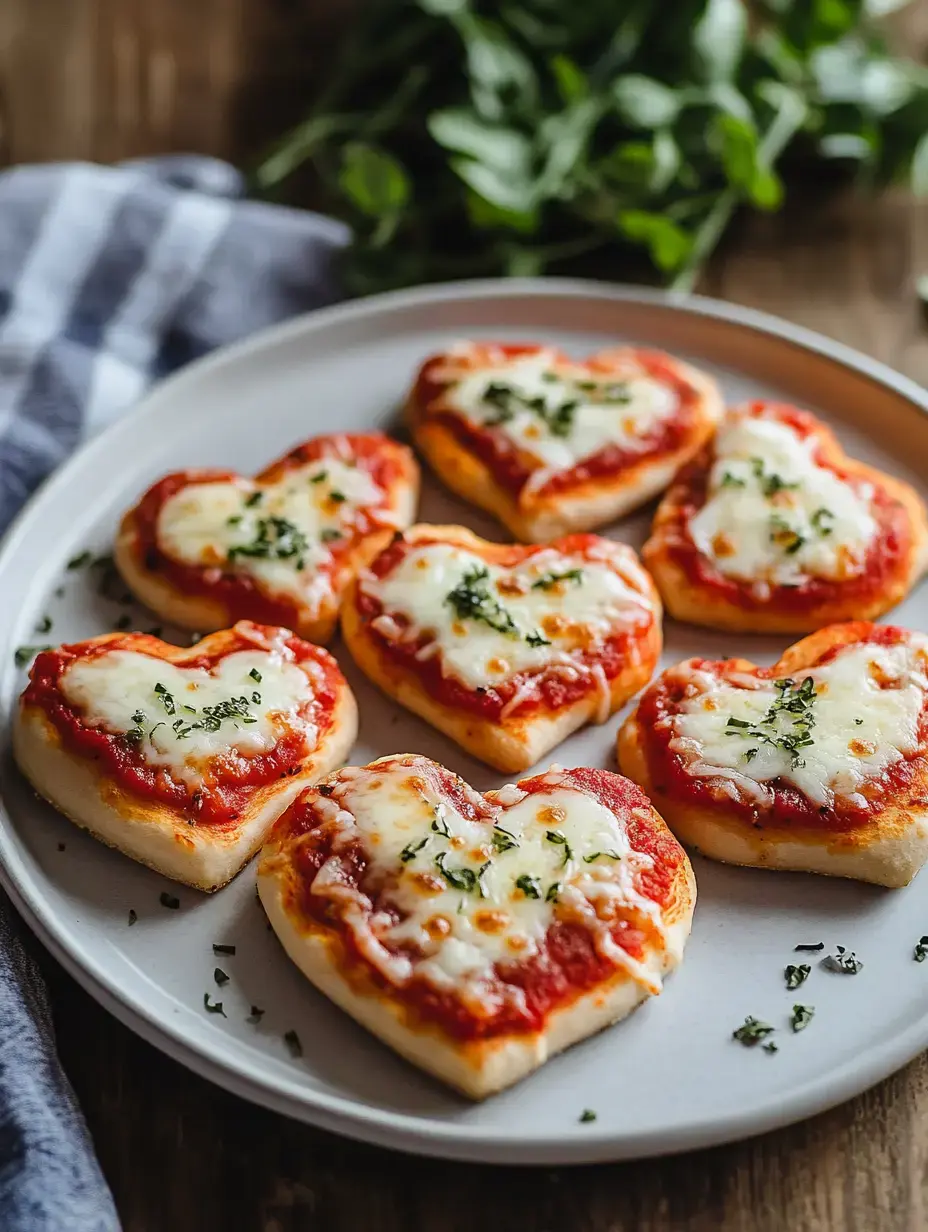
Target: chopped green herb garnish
<point>253,499</point>
<point>133,916</point>
<point>843,961</point>
<point>506,401</point>
<point>559,838</point>
<point>220,976</point>
<point>530,886</point>
<point>292,1040</point>
<point>409,851</point>
<point>439,825</point>
<point>223,949</point>
<point>921,950</point>
<point>787,723</point>
<point>785,535</point>
<point>823,521</point>
<point>752,1031</point>
<point>275,539</point>
<point>319,477</point>
<point>330,535</point>
<point>167,700</point>
<point>586,1116</point>
<point>44,625</point>
<point>730,480</point>
<point>594,855</point>
<point>338,497</point>
<point>83,558</point>
<point>859,722</point>
<point>213,1007</point>
<point>810,947</point>
<point>255,1016</point>
<point>235,520</point>
<point>771,1046</point>
<point>547,580</point>
<point>553,890</point>
<point>169,900</point>
<point>25,654</point>
<point>471,600</point>
<point>537,638</point>
<point>797,975</point>
<point>255,675</point>
<point>802,1016</point>
<point>459,878</point>
<point>138,717</point>
<point>502,840</point>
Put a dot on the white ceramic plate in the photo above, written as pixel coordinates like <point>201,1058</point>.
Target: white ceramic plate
<point>667,1079</point>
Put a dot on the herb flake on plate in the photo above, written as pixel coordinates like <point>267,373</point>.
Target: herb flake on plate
<point>752,1031</point>
<point>797,975</point>
<point>213,1007</point>
<point>843,961</point>
<point>802,1016</point>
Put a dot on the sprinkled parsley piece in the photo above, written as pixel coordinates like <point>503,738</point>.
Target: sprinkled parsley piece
<point>25,654</point>
<point>787,723</point>
<point>329,534</point>
<point>44,625</point>
<point>213,1007</point>
<point>594,855</point>
<point>223,949</point>
<point>255,1016</point>
<point>797,975</point>
<point>439,825</point>
<point>458,878</point>
<point>553,890</point>
<point>133,916</point>
<point>275,539</point>
<point>845,962</point>
<point>255,675</point>
<point>771,1046</point>
<point>586,1116</point>
<point>802,1016</point>
<point>559,838</point>
<point>168,900</point>
<point>502,840</point>
<point>752,1031</point>
<point>79,561</point>
<point>921,950</point>
<point>254,498</point>
<point>292,1040</point>
<point>548,580</point>
<point>409,851</point>
<point>810,947</point>
<point>530,886</point>
<point>471,600</point>
<point>220,976</point>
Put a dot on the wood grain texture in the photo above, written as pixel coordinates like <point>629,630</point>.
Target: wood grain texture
<point>109,79</point>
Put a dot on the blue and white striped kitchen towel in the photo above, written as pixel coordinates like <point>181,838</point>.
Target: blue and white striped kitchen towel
<point>110,277</point>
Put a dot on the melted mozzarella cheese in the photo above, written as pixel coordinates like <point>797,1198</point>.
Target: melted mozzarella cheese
<point>773,514</point>
<point>465,902</point>
<point>858,728</point>
<point>204,524</point>
<point>572,613</point>
<point>168,707</point>
<point>604,409</point>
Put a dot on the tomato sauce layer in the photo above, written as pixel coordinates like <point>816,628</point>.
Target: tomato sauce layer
<point>790,807</point>
<point>229,781</point>
<point>242,595</point>
<point>511,467</point>
<point>552,689</point>
<point>886,558</point>
<point>566,964</point>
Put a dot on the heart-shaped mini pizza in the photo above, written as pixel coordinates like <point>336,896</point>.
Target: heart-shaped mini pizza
<point>819,763</point>
<point>478,935</point>
<point>552,445</point>
<point>183,759</point>
<point>774,529</point>
<point>206,548</point>
<point>507,649</point>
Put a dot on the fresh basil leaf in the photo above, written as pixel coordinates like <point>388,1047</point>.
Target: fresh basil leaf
<point>496,186</point>
<point>569,77</point>
<point>373,180</point>
<point>459,129</point>
<point>644,102</point>
<point>502,78</point>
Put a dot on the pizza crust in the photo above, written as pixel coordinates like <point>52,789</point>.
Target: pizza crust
<point>889,852</point>
<point>158,835</point>
<point>703,604</point>
<point>510,744</point>
<point>583,506</point>
<point>205,613</point>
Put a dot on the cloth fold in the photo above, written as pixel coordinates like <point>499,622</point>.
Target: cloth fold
<point>111,277</point>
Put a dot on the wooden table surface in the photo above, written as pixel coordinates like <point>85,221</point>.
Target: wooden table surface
<point>135,76</point>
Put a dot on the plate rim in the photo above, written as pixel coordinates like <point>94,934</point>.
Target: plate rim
<point>424,1134</point>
